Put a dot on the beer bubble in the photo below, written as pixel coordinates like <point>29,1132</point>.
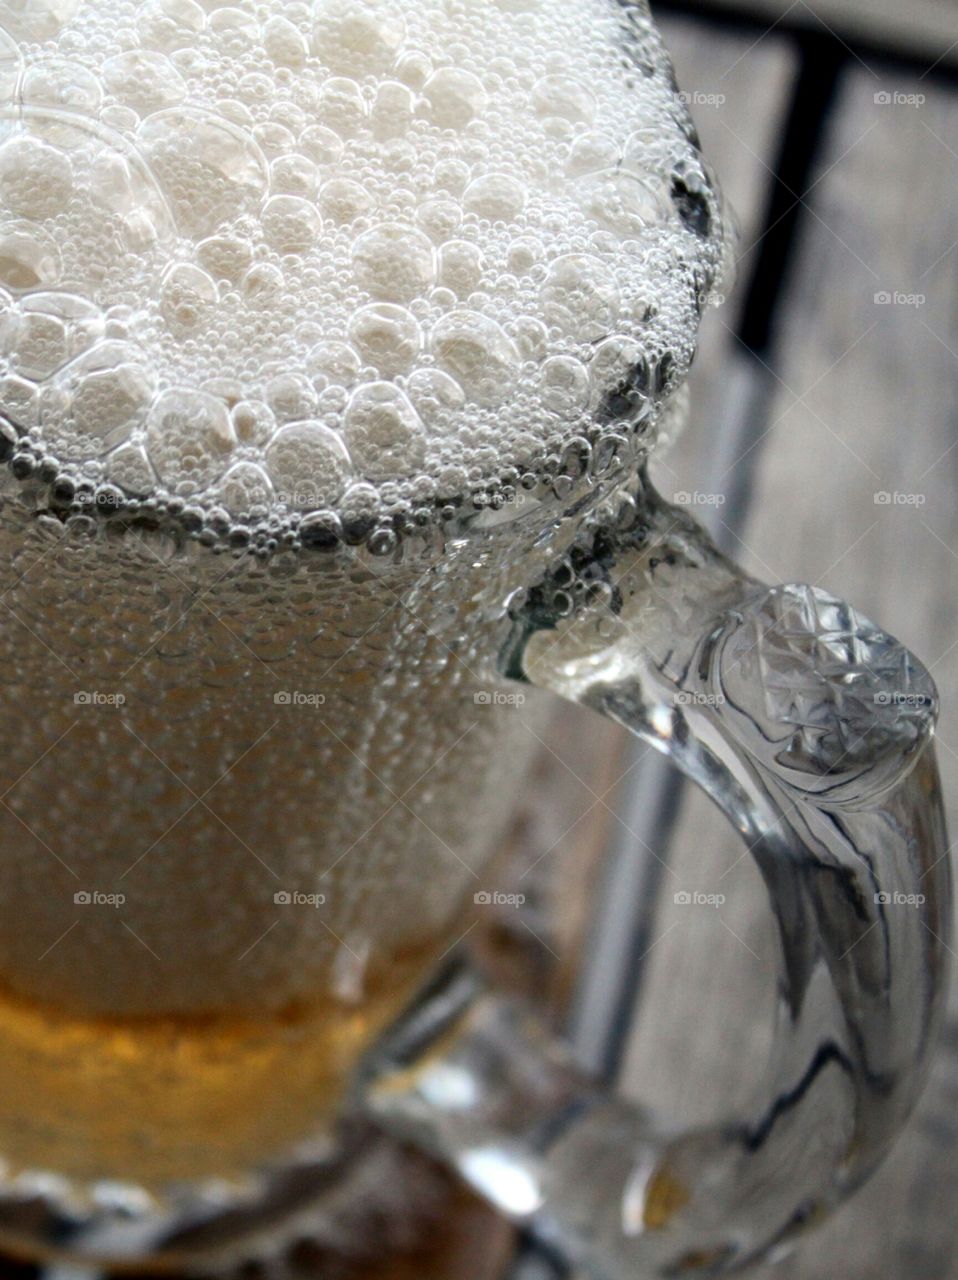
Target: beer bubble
<point>383,432</point>
<point>565,97</point>
<point>455,97</point>
<point>478,353</point>
<point>19,400</point>
<point>413,68</point>
<point>361,506</point>
<point>593,152</point>
<point>11,68</point>
<point>186,297</point>
<point>129,467</point>
<point>234,31</point>
<point>333,363</point>
<point>189,438</point>
<point>62,85</point>
<point>226,257</point>
<point>393,110</point>
<point>565,386</point>
<point>294,175</point>
<point>245,489</point>
<point>36,179</point>
<point>394,263</point>
<point>460,267</point>
<point>96,401</point>
<point>209,170</point>
<point>49,330</point>
<point>28,257</point>
<point>357,38</point>
<point>284,44</point>
<point>308,465</point>
<point>343,201</point>
<point>434,394</point>
<point>168,25</point>
<point>143,80</point>
<point>342,107</point>
<point>262,283</point>
<point>36,19</point>
<point>254,422</point>
<point>291,397</point>
<point>579,297</point>
<point>495,196</point>
<point>622,202</point>
<point>321,145</point>
<point>386,336</point>
<point>291,224</point>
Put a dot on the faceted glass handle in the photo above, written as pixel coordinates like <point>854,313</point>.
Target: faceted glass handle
<point>811,729</point>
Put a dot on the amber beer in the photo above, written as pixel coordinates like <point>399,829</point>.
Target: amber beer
<point>216,898</point>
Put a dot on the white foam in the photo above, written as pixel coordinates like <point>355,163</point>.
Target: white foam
<point>256,254</point>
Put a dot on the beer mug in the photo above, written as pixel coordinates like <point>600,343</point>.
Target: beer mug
<point>336,339</point>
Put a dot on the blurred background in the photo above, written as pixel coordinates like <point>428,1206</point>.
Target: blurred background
<point>822,447</point>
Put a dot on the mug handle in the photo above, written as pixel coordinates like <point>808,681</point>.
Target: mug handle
<point>812,730</point>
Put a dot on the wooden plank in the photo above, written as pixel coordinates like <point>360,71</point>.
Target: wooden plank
<point>925,28</point>
<point>866,405</point>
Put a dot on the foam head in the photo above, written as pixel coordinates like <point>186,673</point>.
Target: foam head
<point>281,258</point>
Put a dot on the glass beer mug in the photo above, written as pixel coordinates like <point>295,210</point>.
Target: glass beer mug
<point>335,339</point>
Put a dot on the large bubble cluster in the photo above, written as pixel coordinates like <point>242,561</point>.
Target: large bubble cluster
<point>288,262</point>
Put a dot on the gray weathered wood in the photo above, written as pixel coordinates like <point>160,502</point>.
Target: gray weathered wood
<point>927,28</point>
